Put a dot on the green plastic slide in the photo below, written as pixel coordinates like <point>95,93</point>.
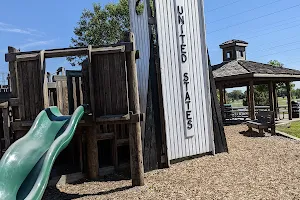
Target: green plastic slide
<point>26,165</point>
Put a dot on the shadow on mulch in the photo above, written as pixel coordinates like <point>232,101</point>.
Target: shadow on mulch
<point>252,134</point>
<point>233,122</point>
<point>54,193</point>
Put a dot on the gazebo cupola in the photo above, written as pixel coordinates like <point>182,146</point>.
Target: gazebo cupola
<point>234,50</point>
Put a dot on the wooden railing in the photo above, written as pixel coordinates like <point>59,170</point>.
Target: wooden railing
<point>65,91</point>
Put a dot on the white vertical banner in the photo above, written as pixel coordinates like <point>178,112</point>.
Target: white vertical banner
<point>183,42</point>
<point>184,77</point>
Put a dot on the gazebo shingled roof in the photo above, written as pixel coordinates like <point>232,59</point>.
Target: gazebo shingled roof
<point>238,70</point>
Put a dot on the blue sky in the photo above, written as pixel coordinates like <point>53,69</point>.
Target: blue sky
<point>272,27</point>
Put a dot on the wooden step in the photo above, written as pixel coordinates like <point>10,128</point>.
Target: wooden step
<point>105,136</point>
<point>122,142</point>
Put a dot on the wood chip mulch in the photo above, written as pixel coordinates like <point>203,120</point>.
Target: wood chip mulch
<point>254,168</point>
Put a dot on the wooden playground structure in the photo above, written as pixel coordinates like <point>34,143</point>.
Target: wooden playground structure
<point>107,82</point>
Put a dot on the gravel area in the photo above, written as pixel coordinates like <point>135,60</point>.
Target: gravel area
<point>254,168</point>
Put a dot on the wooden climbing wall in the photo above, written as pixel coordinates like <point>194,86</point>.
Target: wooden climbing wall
<point>30,89</point>
<point>108,81</point>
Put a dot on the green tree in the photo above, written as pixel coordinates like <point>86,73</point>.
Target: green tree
<point>296,93</point>
<point>275,63</point>
<point>262,92</point>
<point>236,95</point>
<point>100,26</point>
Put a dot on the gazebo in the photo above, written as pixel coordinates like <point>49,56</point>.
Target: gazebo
<point>236,71</point>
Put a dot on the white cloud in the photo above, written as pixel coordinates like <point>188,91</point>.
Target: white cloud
<point>4,24</point>
<point>36,43</point>
<point>12,29</point>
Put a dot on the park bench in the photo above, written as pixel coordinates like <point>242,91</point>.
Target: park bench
<point>264,121</point>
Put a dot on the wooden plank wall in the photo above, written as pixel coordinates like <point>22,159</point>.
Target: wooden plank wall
<point>5,134</point>
<point>139,26</point>
<point>30,93</point>
<point>179,145</point>
<point>110,84</point>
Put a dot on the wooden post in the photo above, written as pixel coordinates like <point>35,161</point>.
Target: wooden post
<point>225,97</point>
<point>135,139</point>
<point>45,79</point>
<point>13,82</point>
<point>272,106</point>
<point>6,127</point>
<point>271,99</point>
<point>289,99</point>
<point>251,101</point>
<point>248,100</point>
<point>221,91</point>
<point>92,153</point>
<point>275,100</point>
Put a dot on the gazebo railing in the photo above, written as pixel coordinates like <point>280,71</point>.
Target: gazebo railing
<point>242,112</point>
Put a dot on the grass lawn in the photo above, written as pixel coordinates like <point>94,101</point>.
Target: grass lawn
<point>293,130</point>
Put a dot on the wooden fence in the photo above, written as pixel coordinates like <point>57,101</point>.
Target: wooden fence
<point>65,91</point>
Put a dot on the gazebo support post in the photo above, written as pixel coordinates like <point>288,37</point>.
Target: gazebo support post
<point>248,100</point>
<point>225,97</point>
<point>271,96</point>
<point>251,100</point>
<point>275,100</point>
<point>271,102</point>
<point>289,99</point>
<point>221,91</point>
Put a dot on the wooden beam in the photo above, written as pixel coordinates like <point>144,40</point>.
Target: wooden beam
<point>64,52</point>
<point>91,82</point>
<point>92,153</point>
<point>13,82</point>
<point>272,106</point>
<point>105,136</point>
<point>289,99</point>
<point>221,92</point>
<point>122,142</point>
<point>5,127</point>
<point>271,96</point>
<point>251,101</point>
<point>225,97</point>
<point>275,100</point>
<point>135,138</point>
<point>248,100</point>
<point>107,50</point>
